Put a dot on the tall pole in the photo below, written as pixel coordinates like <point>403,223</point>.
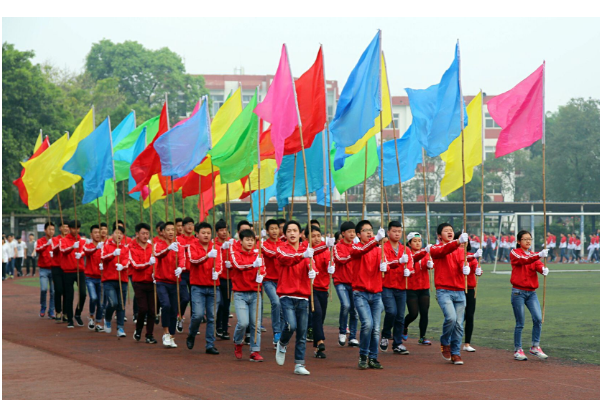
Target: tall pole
<point>228,228</point>
<point>482,185</point>
<point>347,207</point>
<point>364,200</point>
<point>212,171</point>
<point>462,141</point>
<point>62,222</point>
<point>175,239</point>
<point>260,244</point>
<point>544,179</point>
<point>426,197</point>
<point>116,209</point>
<point>327,170</point>
<point>77,239</point>
<point>293,188</point>
<point>152,244</point>
<point>124,208</point>
<point>380,157</point>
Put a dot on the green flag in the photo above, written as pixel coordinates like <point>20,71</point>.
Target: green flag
<point>237,152</point>
<point>353,171</point>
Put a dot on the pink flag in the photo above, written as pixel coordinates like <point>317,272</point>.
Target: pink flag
<point>196,108</point>
<point>279,106</point>
<point>520,114</point>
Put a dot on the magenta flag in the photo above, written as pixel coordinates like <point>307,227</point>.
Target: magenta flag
<point>520,114</point>
<point>279,106</point>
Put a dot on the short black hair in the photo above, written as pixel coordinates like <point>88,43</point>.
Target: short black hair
<point>187,220</point>
<point>202,225</point>
<point>117,222</point>
<point>362,223</point>
<point>167,224</point>
<point>221,224</point>
<point>281,221</point>
<point>74,224</point>
<point>315,222</point>
<point>243,222</point>
<point>292,222</point>
<point>103,225</point>
<point>441,227</point>
<point>160,225</point>
<point>313,228</point>
<point>337,235</point>
<point>119,228</point>
<point>271,222</point>
<point>47,224</point>
<point>457,235</point>
<point>178,220</point>
<point>247,233</point>
<point>346,226</point>
<point>394,224</point>
<point>140,226</point>
<point>94,227</point>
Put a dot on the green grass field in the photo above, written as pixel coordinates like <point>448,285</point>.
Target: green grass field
<point>572,325</point>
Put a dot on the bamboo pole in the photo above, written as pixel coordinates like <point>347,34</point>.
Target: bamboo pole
<point>293,189</point>
<point>482,189</point>
<point>544,181</point>
<point>179,316</point>
<point>81,250</point>
<point>227,208</point>
<point>62,222</point>
<point>212,171</point>
<point>365,180</point>
<point>124,207</point>
<point>462,141</point>
<point>426,197</point>
<point>259,245</point>
<point>381,244</point>
<point>152,244</point>
<point>102,270</point>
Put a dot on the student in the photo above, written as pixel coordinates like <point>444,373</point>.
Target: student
<point>206,266</point>
<point>93,277</point>
<point>21,254</point>
<point>72,263</point>
<point>563,248</point>
<point>269,251</point>
<point>57,273</point>
<point>43,248</point>
<point>179,226</point>
<point>142,264</point>
<point>222,243</point>
<point>103,232</point>
<point>525,267</point>
<point>31,256</point>
<point>281,222</point>
<point>115,261</point>
<point>247,273</point>
<point>12,243</point>
<point>185,239</point>
<point>5,257</point>
<point>450,271</point>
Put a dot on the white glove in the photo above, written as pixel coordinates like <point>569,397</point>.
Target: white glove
<point>226,245</point>
<point>543,253</point>
<point>322,239</point>
<point>178,271</point>
<point>149,241</point>
<point>356,240</point>
<point>331,268</point>
<point>152,260</point>
<point>257,263</point>
<point>88,241</point>
<point>380,234</point>
<point>312,274</point>
<point>309,252</point>
<point>259,278</point>
<point>77,256</point>
<point>51,254</point>
<point>545,271</point>
<point>429,264</point>
<point>403,259</point>
<point>215,276</point>
<point>466,270</point>
<point>428,248</point>
<point>227,264</point>
<point>383,267</point>
<point>173,247</point>
<point>406,272</point>
<point>153,280</point>
<point>120,267</point>
<point>478,271</point>
<point>100,245</point>
<point>76,245</point>
<point>101,267</point>
<point>117,252</point>
<point>478,253</point>
<point>330,242</point>
<point>212,253</point>
<point>263,233</point>
<point>464,238</point>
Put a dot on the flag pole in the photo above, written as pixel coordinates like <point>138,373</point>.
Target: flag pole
<point>260,239</point>
<point>347,207</point>
<point>365,181</point>
<point>482,188</point>
<point>327,170</point>
<point>152,247</point>
<point>544,178</point>
<point>382,225</point>
<point>293,188</point>
<point>112,150</point>
<point>124,208</point>
<point>228,217</point>
<point>179,317</point>
<point>426,197</point>
<point>212,168</point>
<point>462,141</point>
<point>77,239</point>
<point>60,210</point>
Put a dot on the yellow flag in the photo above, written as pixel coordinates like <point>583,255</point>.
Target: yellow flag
<point>386,111</point>
<point>35,178</point>
<point>38,142</point>
<point>473,150</point>
<point>235,191</point>
<point>58,179</point>
<point>267,175</point>
<point>156,191</point>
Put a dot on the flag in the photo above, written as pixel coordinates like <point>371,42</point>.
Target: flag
<point>452,179</point>
<point>207,201</point>
<point>279,106</point>
<point>360,101</point>
<point>237,152</point>
<point>265,195</point>
<point>184,147</point>
<point>156,191</point>
<point>38,143</point>
<point>139,146</point>
<point>520,113</point>
<point>353,171</point>
<point>409,155</point>
<point>93,161</point>
<point>123,151</point>
<point>436,111</point>
<point>124,128</point>
<point>39,148</point>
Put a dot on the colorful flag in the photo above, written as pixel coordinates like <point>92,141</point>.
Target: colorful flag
<point>38,143</point>
<point>520,113</point>
<point>39,148</point>
<point>124,128</point>
<point>139,146</point>
<point>409,155</point>
<point>265,195</point>
<point>352,173</point>
<point>452,179</point>
<point>279,106</point>
<point>123,151</point>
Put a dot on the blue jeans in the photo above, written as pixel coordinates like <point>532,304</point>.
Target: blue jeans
<point>563,255</point>
<point>394,302</point>
<point>245,310</point>
<point>94,287</point>
<point>270,288</point>
<point>295,317</point>
<point>203,301</point>
<point>344,292</point>
<point>45,281</point>
<point>167,297</point>
<point>113,299</point>
<point>10,267</point>
<point>369,307</point>
<point>452,303</point>
<point>519,299</point>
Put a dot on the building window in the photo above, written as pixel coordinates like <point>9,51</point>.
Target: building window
<point>396,121</point>
<point>490,152</point>
<point>493,187</point>
<point>217,103</point>
<point>489,122</point>
<point>246,99</point>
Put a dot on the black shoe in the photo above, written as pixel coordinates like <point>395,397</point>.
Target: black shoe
<point>179,326</point>
<point>225,336</point>
<point>374,364</point>
<point>190,342</point>
<point>150,340</point>
<point>320,354</point>
<point>212,350</point>
<point>363,362</point>
<point>78,320</point>
<point>137,335</point>
<point>70,325</point>
<point>135,318</point>
<point>64,318</point>
<point>321,347</point>
<point>309,335</point>
<point>219,334</point>
<point>157,320</point>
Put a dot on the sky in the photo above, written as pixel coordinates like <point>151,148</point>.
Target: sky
<point>496,53</point>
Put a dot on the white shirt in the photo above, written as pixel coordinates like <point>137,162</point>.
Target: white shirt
<point>5,252</point>
<point>13,246</point>
<point>21,248</point>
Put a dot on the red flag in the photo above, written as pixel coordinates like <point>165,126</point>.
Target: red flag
<point>19,181</point>
<point>147,164</point>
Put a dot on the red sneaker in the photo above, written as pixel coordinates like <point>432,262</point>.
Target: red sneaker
<point>456,360</point>
<point>256,357</point>
<point>446,353</point>
<point>238,351</point>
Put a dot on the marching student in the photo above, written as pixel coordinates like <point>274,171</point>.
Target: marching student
<point>571,247</point>
<point>450,271</point>
<point>222,243</point>
<point>525,267</point>
<point>185,239</point>
<point>93,275</point>
<point>103,232</point>
<point>179,226</point>
<point>115,261</point>
<point>247,273</point>
<point>281,222</point>
<point>551,245</point>
<point>206,266</point>
<point>57,273</point>
<point>43,249</point>
<point>269,251</point>
<point>71,248</point>
<point>563,248</point>
<point>169,267</point>
<point>142,263</point>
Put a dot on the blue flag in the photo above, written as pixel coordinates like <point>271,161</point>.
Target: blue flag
<point>93,162</point>
<point>265,195</point>
<point>123,129</point>
<point>360,101</point>
<point>138,147</point>
<point>409,155</point>
<point>183,148</point>
<point>436,111</point>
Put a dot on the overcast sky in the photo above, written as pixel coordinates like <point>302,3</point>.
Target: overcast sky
<point>496,53</point>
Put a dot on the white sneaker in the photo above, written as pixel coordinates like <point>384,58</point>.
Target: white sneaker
<point>280,354</point>
<point>300,370</point>
<point>537,351</point>
<point>353,343</point>
<point>166,340</point>
<point>342,340</point>
<point>107,326</point>
<point>91,324</point>
<point>468,348</point>
<point>172,344</point>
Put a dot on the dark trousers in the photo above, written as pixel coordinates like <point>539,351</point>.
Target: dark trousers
<point>70,279</point>
<point>4,270</point>
<point>31,262</point>
<point>18,265</point>
<point>184,280</point>
<point>144,297</point>
<point>59,296</point>
<point>135,304</point>
<point>469,314</point>
<point>167,293</point>
<point>224,306</point>
<point>318,316</point>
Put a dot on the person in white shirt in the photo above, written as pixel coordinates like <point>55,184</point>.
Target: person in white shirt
<point>12,255</point>
<point>21,254</point>
<point>5,257</point>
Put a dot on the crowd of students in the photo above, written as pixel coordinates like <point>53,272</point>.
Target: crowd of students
<point>190,264</point>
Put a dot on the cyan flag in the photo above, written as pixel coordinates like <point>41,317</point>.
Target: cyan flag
<point>138,147</point>
<point>409,155</point>
<point>183,148</point>
<point>93,162</point>
<point>265,195</point>
<point>436,111</point>
<point>123,129</point>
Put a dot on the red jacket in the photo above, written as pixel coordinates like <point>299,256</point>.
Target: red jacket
<point>109,261</point>
<point>184,245</point>
<point>525,266</point>
<point>293,278</point>
<point>342,257</point>
<point>420,279</point>
<point>201,265</point>
<point>471,278</point>
<point>43,247</point>
<point>366,276</point>
<point>224,254</point>
<point>394,277</point>
<point>69,263</point>
<point>92,261</point>
<point>269,251</point>
<point>56,256</point>
<point>243,274</point>
<point>320,264</point>
<point>167,262</point>
<point>448,261</point>
<point>139,262</point>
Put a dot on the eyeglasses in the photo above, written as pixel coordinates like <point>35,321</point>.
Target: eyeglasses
<point>526,239</point>
<point>367,230</point>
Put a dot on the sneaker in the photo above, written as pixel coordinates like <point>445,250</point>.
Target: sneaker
<point>137,335</point>
<point>276,338</point>
<point>446,353</point>
<point>64,318</point>
<point>51,316</point>
<point>238,351</point>
<point>121,332</point>
<point>456,360</point>
<point>300,370</point>
<point>353,343</point>
<point>189,342</point>
<point>219,334</point>
<point>212,350</point>
<point>157,319</point>
<point>230,315</point>
<point>469,348</point>
<point>107,326</point>
<point>405,337</point>
<point>263,329</point>
<point>42,314</point>
<point>320,354</point>
<point>172,344</point>
<point>280,354</point>
<point>135,318</point>
<point>151,340</point>
<point>401,349</point>
<point>374,364</point>
<point>91,324</point>
<point>424,341</point>
<point>58,317</point>
<point>70,325</point>
<point>520,355</point>
<point>166,339</point>
<point>256,357</point>
<point>225,336</point>
<point>179,325</point>
<point>537,351</point>
<point>124,318</point>
<point>247,340</point>
<point>99,328</point>
<point>383,344</point>
<point>342,339</point>
<point>309,335</point>
<point>363,362</point>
